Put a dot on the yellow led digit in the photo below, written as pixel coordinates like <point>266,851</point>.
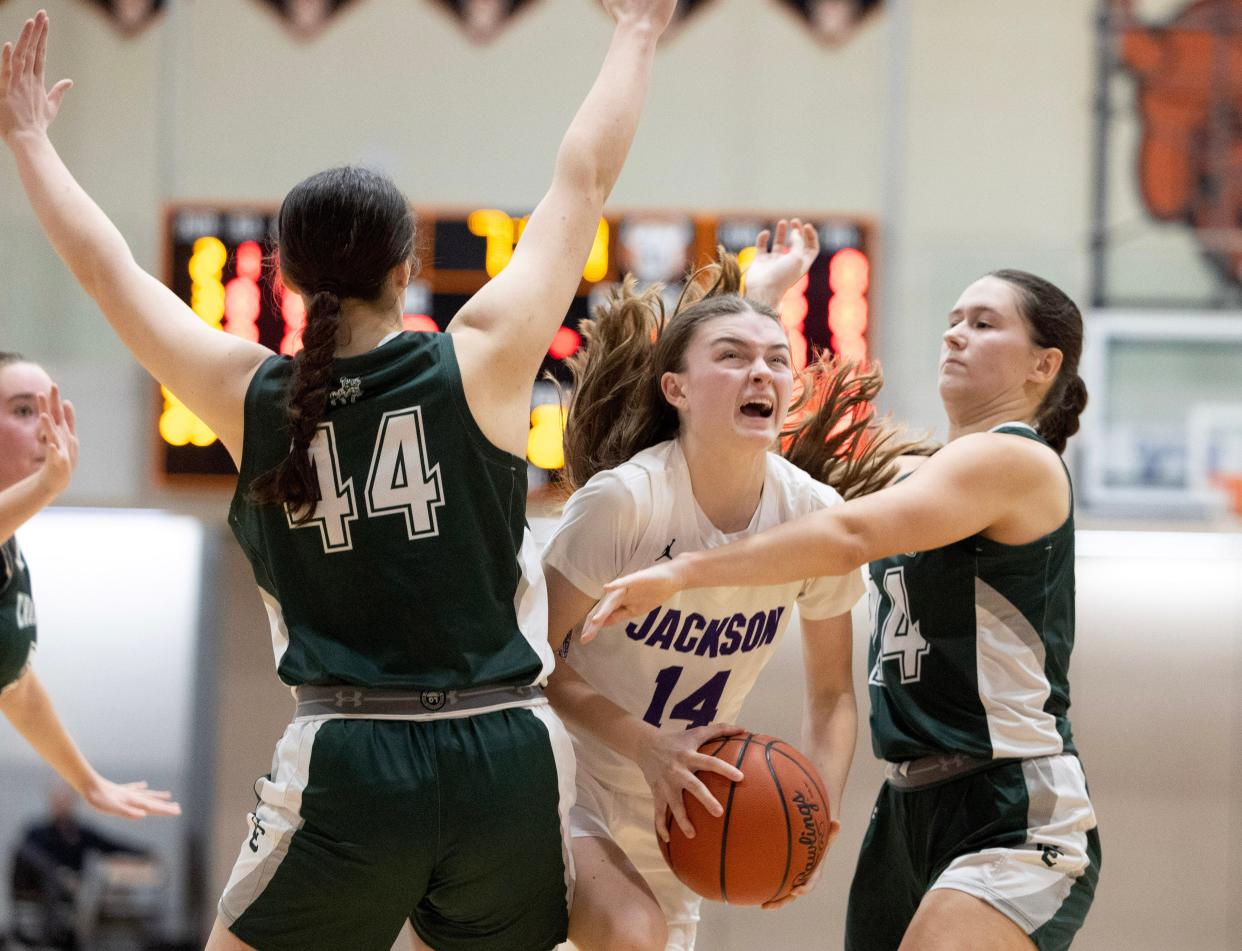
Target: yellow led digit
<point>597,264</point>
<point>500,233</point>
<point>545,445</point>
<point>178,426</point>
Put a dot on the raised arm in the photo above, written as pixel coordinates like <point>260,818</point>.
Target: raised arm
<point>981,482</point>
<point>502,333</point>
<point>208,370</point>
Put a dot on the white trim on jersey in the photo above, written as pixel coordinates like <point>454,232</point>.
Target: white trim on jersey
<point>1013,688</point>
<point>276,621</point>
<point>530,604</point>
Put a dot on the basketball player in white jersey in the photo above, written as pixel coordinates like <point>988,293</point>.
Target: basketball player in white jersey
<point>670,440</point>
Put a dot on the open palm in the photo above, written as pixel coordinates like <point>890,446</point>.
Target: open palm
<point>25,103</point>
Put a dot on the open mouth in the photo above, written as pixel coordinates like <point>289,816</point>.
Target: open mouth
<point>758,409</point>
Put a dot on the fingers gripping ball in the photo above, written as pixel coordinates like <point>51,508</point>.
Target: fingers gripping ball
<point>774,830</point>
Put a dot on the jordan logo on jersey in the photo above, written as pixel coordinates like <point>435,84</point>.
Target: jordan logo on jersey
<point>710,637</point>
<point>668,551</point>
<point>25,610</point>
<point>348,392</point>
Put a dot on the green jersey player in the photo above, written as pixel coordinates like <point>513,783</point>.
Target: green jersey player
<point>38,453</point>
<point>983,832</point>
<point>381,504</point>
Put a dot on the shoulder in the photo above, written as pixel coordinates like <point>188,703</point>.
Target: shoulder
<point>1004,461</point>
<point>800,492</point>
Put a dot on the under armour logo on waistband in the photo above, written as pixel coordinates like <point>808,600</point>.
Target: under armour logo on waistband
<point>351,697</point>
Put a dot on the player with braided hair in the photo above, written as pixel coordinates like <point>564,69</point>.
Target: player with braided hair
<point>381,503</point>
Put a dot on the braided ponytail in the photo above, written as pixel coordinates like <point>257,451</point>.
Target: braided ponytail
<point>340,234</point>
<point>1058,415</point>
<point>293,480</point>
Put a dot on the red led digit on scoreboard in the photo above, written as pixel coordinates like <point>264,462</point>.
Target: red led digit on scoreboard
<point>849,275</point>
<point>293,312</point>
<point>242,299</point>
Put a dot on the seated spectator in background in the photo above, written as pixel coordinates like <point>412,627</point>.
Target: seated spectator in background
<point>47,871</point>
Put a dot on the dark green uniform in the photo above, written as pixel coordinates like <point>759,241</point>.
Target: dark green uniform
<point>17,614</point>
<point>969,667</point>
<point>416,575</point>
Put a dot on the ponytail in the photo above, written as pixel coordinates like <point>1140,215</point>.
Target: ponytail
<point>616,408</point>
<point>1058,416</point>
<point>832,433</point>
<point>293,482</point>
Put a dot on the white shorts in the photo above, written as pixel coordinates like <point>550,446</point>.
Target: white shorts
<point>628,820</point>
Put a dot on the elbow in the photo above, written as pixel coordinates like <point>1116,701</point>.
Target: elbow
<point>580,169</point>
<point>848,553</point>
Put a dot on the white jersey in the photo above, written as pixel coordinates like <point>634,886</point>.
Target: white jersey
<point>693,660</point>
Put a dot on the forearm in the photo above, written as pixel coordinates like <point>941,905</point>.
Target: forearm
<point>584,709</point>
<point>88,243</point>
<point>809,547</point>
<point>829,732</point>
<point>29,708</point>
<point>595,146</point>
<point>21,501</point>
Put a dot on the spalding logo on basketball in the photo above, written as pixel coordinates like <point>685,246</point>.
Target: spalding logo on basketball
<point>774,830</point>
<point>1189,74</point>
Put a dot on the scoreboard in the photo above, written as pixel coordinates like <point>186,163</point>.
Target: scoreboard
<point>220,260</point>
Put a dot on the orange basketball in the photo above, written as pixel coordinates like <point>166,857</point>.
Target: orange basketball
<point>774,830</point>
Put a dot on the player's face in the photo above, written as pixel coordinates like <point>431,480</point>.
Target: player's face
<point>21,453</point>
<point>987,356</point>
<point>736,382</point>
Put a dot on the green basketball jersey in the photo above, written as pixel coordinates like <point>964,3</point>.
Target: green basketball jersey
<point>417,569</point>
<point>970,646</point>
<point>17,613</point>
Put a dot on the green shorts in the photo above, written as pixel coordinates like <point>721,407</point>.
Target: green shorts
<point>459,824</point>
<point>1021,835</point>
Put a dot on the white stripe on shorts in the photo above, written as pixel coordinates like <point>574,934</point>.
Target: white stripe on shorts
<point>563,754</point>
<point>1029,883</point>
<point>274,821</point>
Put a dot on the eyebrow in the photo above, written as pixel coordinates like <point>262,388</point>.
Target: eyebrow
<point>22,396</point>
<point>977,309</point>
<point>739,342</point>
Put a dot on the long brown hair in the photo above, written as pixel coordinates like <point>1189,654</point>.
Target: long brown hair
<point>616,408</point>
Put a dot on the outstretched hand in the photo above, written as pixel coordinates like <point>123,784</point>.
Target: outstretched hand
<point>25,103</point>
<point>129,800</point>
<point>782,259</point>
<point>669,765</point>
<point>635,595</point>
<point>57,434</point>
